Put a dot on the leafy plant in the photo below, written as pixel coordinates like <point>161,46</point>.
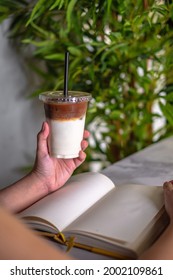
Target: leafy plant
<point>120,51</point>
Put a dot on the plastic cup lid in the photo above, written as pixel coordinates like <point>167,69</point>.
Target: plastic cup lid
<point>58,96</point>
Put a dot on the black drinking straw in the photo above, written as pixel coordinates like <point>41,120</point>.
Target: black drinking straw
<point>66,74</point>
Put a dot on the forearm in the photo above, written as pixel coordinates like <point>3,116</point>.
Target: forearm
<point>17,242</point>
<point>23,193</point>
<point>162,249</point>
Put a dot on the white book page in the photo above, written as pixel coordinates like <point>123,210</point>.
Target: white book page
<point>123,214</point>
<point>65,205</point>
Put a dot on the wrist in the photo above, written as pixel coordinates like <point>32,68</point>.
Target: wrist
<point>38,184</point>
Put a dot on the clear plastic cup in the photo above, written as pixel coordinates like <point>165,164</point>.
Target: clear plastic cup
<point>66,119</point>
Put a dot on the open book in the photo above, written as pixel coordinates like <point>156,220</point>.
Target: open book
<point>90,212</point>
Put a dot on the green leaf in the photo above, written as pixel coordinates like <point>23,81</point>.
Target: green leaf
<point>59,84</point>
<point>43,31</point>
<point>36,9</point>
<point>3,9</point>
<point>37,43</point>
<point>115,114</point>
<point>169,97</point>
<point>58,3</point>
<point>109,3</point>
<point>55,56</point>
<point>167,110</point>
<point>69,13</point>
<point>75,51</point>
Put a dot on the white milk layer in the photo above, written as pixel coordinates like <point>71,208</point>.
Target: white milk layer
<point>65,137</point>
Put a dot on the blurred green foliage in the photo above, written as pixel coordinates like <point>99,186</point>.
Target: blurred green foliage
<point>120,51</point>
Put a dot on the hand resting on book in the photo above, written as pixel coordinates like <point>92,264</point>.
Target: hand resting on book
<point>162,249</point>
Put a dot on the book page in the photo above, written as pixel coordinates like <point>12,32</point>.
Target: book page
<point>123,214</point>
<point>74,198</point>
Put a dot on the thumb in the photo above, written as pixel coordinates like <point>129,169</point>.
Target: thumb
<point>42,147</point>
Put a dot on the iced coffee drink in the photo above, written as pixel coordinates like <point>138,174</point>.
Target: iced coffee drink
<point>66,119</point>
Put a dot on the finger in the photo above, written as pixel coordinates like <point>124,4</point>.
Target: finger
<point>78,161</point>
<point>81,158</point>
<point>168,186</point>
<point>42,139</point>
<point>84,145</point>
<point>86,134</point>
<point>165,185</point>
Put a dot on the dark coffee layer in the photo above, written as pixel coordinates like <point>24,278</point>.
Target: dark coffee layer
<point>65,111</point>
